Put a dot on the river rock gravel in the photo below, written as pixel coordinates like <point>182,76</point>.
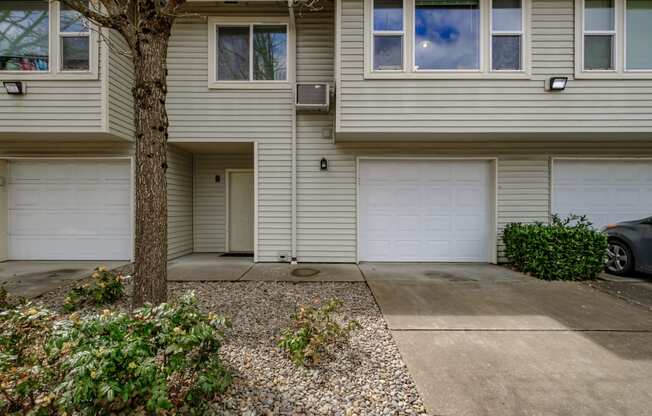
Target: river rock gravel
<point>365,377</point>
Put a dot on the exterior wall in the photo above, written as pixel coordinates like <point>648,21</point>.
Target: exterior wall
<point>490,105</point>
<point>4,220</point>
<point>119,83</point>
<point>180,202</point>
<point>328,208</point>
<point>55,105</point>
<point>210,199</point>
<point>225,115</point>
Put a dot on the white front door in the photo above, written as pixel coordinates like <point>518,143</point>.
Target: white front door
<point>240,211</point>
<point>607,191</point>
<point>69,210</point>
<point>425,210</point>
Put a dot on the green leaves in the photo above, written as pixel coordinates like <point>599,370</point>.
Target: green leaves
<point>105,288</point>
<point>313,331</point>
<point>155,361</point>
<point>567,249</point>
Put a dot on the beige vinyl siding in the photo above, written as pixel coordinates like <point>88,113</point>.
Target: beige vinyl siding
<point>120,82</point>
<point>200,114</point>
<point>523,192</point>
<point>490,105</point>
<point>64,149</point>
<point>180,202</point>
<point>326,228</point>
<point>210,199</point>
<point>327,200</point>
<point>54,105</point>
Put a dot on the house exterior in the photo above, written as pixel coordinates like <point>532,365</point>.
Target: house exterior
<point>442,128</point>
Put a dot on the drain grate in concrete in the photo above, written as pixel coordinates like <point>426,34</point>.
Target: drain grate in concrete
<point>304,272</point>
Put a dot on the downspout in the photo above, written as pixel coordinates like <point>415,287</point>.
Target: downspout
<point>293,255</point>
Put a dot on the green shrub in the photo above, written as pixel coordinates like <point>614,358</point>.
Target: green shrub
<point>105,288</point>
<point>314,330</point>
<point>163,357</point>
<point>27,375</point>
<point>568,249</point>
<point>158,360</point>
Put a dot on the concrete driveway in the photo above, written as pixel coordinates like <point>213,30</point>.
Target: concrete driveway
<point>33,278</point>
<point>483,340</point>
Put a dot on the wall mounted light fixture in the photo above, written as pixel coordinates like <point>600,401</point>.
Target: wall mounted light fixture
<point>14,87</point>
<point>323,164</point>
<point>557,83</point>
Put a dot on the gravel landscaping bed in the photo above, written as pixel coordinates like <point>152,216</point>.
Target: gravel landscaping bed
<point>367,377</point>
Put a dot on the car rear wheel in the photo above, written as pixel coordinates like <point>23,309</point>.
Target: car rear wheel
<point>619,258</point>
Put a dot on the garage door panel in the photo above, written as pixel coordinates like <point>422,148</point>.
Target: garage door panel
<point>606,191</point>
<point>431,210</point>
<point>69,210</point>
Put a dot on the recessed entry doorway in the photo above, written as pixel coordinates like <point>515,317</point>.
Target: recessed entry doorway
<point>239,211</point>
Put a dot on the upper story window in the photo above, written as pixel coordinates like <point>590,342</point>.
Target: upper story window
<point>40,37</point>
<point>388,34</point>
<point>614,38</point>
<point>440,38</point>
<point>249,52</point>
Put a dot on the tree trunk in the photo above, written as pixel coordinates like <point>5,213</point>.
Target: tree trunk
<point>150,90</point>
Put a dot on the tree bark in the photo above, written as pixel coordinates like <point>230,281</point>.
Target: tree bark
<point>150,91</point>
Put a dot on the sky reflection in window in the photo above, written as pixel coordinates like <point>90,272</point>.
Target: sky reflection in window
<point>447,34</point>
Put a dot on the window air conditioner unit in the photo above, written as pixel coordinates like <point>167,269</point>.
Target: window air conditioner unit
<point>313,97</point>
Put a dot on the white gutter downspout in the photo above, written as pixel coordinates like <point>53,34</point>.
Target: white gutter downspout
<point>293,255</point>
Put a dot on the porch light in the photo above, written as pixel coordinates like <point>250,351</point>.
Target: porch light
<point>323,164</point>
<point>558,83</point>
<point>14,87</point>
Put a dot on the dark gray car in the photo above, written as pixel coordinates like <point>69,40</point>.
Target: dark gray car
<point>630,247</point>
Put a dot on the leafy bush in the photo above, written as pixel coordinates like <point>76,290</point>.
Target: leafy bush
<point>314,330</point>
<point>568,249</point>
<point>159,360</point>
<point>105,288</point>
<point>26,373</point>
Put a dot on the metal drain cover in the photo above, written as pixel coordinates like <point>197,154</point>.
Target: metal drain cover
<point>304,272</point>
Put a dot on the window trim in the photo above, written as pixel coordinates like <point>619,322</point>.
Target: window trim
<point>620,53</point>
<point>214,83</point>
<point>630,71</point>
<point>409,71</point>
<point>613,33</point>
<point>401,33</point>
<point>413,30</point>
<point>55,52</point>
<point>520,34</point>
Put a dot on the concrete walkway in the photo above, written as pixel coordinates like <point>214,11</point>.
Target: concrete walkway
<point>483,340</point>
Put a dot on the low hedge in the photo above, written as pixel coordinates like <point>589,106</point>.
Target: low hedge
<point>566,249</point>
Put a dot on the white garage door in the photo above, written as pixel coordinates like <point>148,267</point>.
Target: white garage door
<point>606,191</point>
<point>69,210</point>
<point>425,210</point>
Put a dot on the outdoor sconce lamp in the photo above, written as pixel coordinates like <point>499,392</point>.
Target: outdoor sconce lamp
<point>557,83</point>
<point>14,87</point>
<point>323,164</point>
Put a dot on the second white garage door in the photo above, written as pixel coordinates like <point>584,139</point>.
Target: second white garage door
<point>607,191</point>
<point>69,210</point>
<point>425,210</point>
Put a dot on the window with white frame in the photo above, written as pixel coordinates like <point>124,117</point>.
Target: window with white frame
<point>615,37</point>
<point>388,35</point>
<point>447,36</point>
<point>34,34</point>
<point>506,35</point>
<point>251,52</point>
<point>599,34</point>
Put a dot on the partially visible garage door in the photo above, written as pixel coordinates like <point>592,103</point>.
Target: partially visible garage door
<point>605,190</point>
<point>425,210</point>
<point>69,210</point>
